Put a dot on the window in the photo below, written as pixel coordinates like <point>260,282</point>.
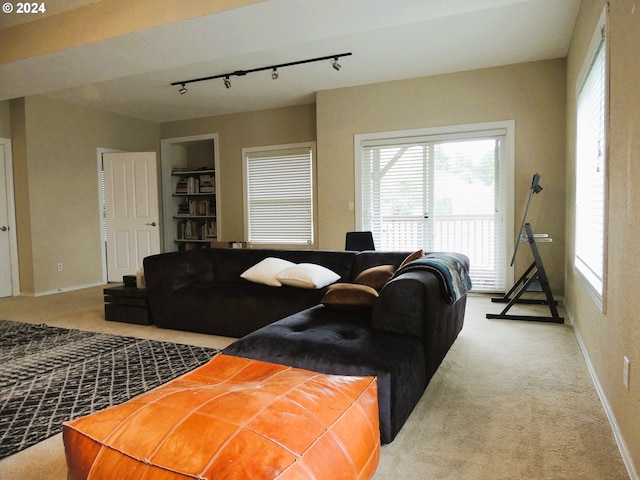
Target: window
<point>591,171</point>
<point>279,194</point>
<point>442,190</point>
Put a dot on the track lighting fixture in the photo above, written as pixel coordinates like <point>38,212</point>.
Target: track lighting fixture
<point>274,71</point>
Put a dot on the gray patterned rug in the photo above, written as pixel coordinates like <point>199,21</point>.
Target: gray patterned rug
<point>49,375</point>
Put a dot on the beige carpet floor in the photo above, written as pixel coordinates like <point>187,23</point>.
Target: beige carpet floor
<point>512,400</point>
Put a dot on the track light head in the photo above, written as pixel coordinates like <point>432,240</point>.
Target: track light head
<point>274,74</point>
<point>334,63</point>
<point>227,82</point>
<point>182,90</point>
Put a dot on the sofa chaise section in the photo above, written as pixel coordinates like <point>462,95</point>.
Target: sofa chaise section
<point>343,343</point>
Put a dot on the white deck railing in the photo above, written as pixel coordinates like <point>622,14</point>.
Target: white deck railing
<point>475,236</point>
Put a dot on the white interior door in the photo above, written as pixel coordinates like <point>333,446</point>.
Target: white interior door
<point>131,211</point>
<point>8,250</point>
<point>5,264</point>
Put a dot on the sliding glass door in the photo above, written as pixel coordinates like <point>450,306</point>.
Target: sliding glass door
<point>440,193</point>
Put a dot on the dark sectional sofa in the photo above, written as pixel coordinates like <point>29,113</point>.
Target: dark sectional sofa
<point>401,338</point>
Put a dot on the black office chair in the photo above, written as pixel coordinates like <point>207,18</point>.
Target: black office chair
<point>359,241</point>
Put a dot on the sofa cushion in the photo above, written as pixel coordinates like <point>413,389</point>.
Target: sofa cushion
<point>307,275</point>
<point>368,259</point>
<point>375,277</point>
<point>229,263</point>
<point>266,271</point>
<point>349,296</point>
<point>413,256</point>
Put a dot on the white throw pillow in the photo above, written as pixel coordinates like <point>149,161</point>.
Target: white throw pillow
<point>266,271</point>
<point>307,275</point>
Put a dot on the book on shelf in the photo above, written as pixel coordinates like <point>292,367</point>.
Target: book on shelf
<point>207,184</point>
<point>210,230</point>
<point>192,185</point>
<point>200,207</point>
<point>183,209</point>
<point>190,230</point>
<point>197,208</point>
<point>182,187</point>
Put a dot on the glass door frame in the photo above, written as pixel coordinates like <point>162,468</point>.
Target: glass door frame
<point>505,172</point>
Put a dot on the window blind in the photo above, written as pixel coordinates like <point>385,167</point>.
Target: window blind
<point>279,196</point>
<point>591,171</point>
<point>396,180</point>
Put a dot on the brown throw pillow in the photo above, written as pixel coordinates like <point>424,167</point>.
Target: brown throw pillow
<point>349,296</point>
<point>414,256</point>
<point>375,277</point>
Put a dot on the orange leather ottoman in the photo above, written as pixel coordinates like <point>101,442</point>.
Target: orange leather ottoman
<point>233,418</point>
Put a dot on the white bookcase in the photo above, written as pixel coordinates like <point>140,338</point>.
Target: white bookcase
<point>191,203</point>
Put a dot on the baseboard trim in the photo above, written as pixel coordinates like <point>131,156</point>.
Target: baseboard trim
<point>622,445</point>
<point>66,289</point>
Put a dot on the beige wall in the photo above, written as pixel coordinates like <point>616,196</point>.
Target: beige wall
<point>237,131</point>
<point>609,336</point>
<point>532,94</point>
<point>56,174</point>
<point>5,120</point>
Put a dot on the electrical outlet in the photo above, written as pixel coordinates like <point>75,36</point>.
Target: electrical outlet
<point>60,267</point>
<point>625,372</point>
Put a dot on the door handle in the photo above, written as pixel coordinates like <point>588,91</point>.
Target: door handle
<point>4,229</point>
<point>153,224</point>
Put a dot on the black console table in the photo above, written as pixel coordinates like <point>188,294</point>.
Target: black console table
<point>126,304</point>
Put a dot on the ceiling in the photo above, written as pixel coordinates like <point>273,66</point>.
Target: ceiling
<point>390,40</point>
